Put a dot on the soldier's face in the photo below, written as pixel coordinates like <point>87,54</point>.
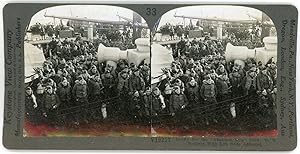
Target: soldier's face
<point>177,91</point>
<point>28,91</point>
<point>97,78</point>
<point>156,92</point>
<point>264,92</point>
<point>122,65</point>
<point>49,91</point>
<point>107,75</point>
<point>252,74</point>
<point>124,75</point>
<point>193,83</point>
<point>168,90</point>
<point>63,61</point>
<point>148,92</point>
<point>168,74</point>
<point>81,80</point>
<point>59,72</point>
<point>136,73</point>
<point>273,66</point>
<point>51,82</point>
<point>65,83</point>
<point>223,62</point>
<point>264,72</point>
<point>46,67</point>
<point>222,69</point>
<point>225,78</point>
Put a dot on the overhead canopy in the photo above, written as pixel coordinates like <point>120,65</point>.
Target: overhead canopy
<point>33,58</point>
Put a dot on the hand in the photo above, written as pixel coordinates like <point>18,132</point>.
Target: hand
<point>161,78</point>
<point>183,106</point>
<point>44,114</point>
<point>173,114</point>
<point>35,106</point>
<point>32,77</point>
<point>55,106</point>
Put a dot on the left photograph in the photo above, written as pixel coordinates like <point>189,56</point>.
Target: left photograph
<point>87,72</point>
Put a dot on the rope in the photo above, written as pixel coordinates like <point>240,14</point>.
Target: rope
<point>188,114</point>
<point>214,104</point>
<point>84,105</point>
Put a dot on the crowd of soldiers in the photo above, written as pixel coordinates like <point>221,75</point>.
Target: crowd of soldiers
<point>71,76</point>
<point>176,31</point>
<point>200,76</point>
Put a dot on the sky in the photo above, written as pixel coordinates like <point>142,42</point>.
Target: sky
<point>105,12</point>
<point>102,12</point>
<point>212,11</point>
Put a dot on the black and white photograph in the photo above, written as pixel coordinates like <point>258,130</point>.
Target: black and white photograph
<point>214,72</point>
<point>87,70</point>
<point>112,75</point>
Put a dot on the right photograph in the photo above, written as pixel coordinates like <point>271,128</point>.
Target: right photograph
<point>214,73</point>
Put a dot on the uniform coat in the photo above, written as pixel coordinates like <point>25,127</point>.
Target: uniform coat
<point>64,92</point>
<point>157,103</point>
<point>208,89</point>
<point>136,83</point>
<point>192,92</point>
<point>177,101</point>
<point>264,82</point>
<point>50,100</point>
<point>80,90</point>
<point>250,82</point>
